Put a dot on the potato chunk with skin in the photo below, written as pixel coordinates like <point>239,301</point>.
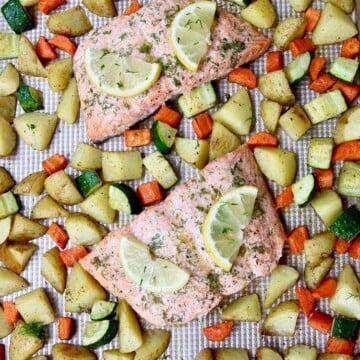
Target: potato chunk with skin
<point>9,80</point>
<point>5,328</point>
<point>63,351</point>
<point>260,13</point>
<point>32,184</point>
<point>101,7</point>
<point>10,282</point>
<point>59,73</point>
<point>7,138</point>
<point>288,30</point>
<point>155,343</point>
<point>6,181</point>
<point>245,308</point>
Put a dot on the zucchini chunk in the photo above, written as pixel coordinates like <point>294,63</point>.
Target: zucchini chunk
<point>348,181</point>
<point>30,99</point>
<point>344,69</point>
<point>17,16</point>
<point>88,182</point>
<point>123,198</point>
<point>102,310</point>
<point>320,152</point>
<point>8,204</point>
<point>344,328</point>
<point>303,189</point>
<point>163,136</point>
<point>347,225</point>
<point>99,333</point>
<point>296,69</point>
<point>9,45</point>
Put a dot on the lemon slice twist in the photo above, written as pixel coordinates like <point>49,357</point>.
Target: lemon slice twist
<point>121,76</point>
<point>223,227</point>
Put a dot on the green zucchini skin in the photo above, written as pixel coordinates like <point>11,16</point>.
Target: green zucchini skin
<point>124,198</point>
<point>93,341</point>
<point>88,182</point>
<point>30,99</point>
<point>163,136</point>
<point>347,225</point>
<point>103,310</point>
<point>17,16</point>
<point>345,328</point>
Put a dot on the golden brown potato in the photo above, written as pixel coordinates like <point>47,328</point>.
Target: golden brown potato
<point>69,103</point>
<point>155,343</point>
<point>28,61</point>
<point>5,328</point>
<point>9,80</point>
<point>205,354</point>
<point>348,126</point>
<point>7,138</point>
<point>5,228</point>
<point>231,354</point>
<point>71,22</point>
<point>63,351</point>
<point>101,7</point>
<point>6,181</point>
<point>260,13</point>
<point>244,308</point>
<point>86,157</point>
<point>59,73</point>
<point>267,353</point>
<point>32,184</point>
<point>10,282</point>
<point>287,30</point>
<point>47,208</point>
<point>24,229</point>
<point>8,107</point>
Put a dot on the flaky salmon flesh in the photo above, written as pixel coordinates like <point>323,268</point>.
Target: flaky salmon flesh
<point>175,227</point>
<point>233,42</point>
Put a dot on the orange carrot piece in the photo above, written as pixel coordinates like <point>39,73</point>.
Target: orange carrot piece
<point>323,83</point>
<point>311,16</point>
<point>320,321</point>
<point>132,8</point>
<point>339,346</point>
<point>306,300</point>
<point>342,246</point>
<point>325,289</point>
<point>150,193</point>
<point>218,332</point>
<point>2,352</point>
<point>64,43</point>
<point>72,255</point>
<point>354,250</point>
<point>65,327</point>
<point>350,48</point>
<point>11,313</point>
<point>316,66</point>
<point>274,61</point>
<point>285,198</point>
<point>324,178</point>
<point>300,46</point>
<point>202,125</point>
<point>296,239</point>
<point>44,50</point>
<point>46,6</point>
<point>168,116</point>
<point>137,137</point>
<point>58,234</point>
<point>262,138</point>
<point>350,91</point>
<point>243,76</point>
<point>349,150</point>
<point>54,163</point>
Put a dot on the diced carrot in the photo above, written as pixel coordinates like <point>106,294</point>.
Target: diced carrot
<point>2,352</point>
<point>54,163</point>
<point>300,46</point>
<point>274,61</point>
<point>354,250</point>
<point>65,327</point>
<point>243,76</point>
<point>218,332</point>
<point>311,16</point>
<point>64,43</point>
<point>350,48</point>
<point>320,321</point>
<point>11,313</point>
<point>296,239</point>
<point>137,137</point>
<point>46,6</point>
<point>324,178</point>
<point>339,346</point>
<point>168,116</point>
<point>342,246</point>
<point>70,256</point>
<point>262,138</point>
<point>150,193</point>
<point>306,300</point>
<point>323,83</point>
<point>58,235</point>
<point>285,198</point>
<point>316,66</point>
<point>132,8</point>
<point>350,91</point>
<point>325,289</point>
<point>349,150</point>
<point>44,50</point>
<point>202,125</point>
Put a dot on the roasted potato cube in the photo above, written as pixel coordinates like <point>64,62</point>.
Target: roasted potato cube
<point>82,290</point>
<point>154,344</point>
<point>295,122</point>
<point>115,354</point>
<point>9,80</point>
<point>8,107</point>
<point>59,73</point>
<point>289,29</point>
<point>194,152</point>
<point>101,7</point>
<point>53,269</point>
<point>320,246</point>
<point>10,282</point>
<point>28,61</point>
<point>35,306</point>
<point>260,13</point>
<point>24,229</point>
<point>61,188</point>
<point>5,328</point>
<point>231,354</point>
<point>86,157</point>
<point>7,138</point>
<point>205,354</point>
<point>267,353</point>
<point>5,227</point>
<point>300,351</point>
<point>270,112</point>
<point>245,308</point>
<point>36,129</point>
<point>314,274</point>
<point>23,346</point>
<point>71,22</point>
<point>47,208</point>
<point>6,181</point>
<point>348,126</point>
<point>69,103</point>
<point>32,184</point>
<point>63,351</point>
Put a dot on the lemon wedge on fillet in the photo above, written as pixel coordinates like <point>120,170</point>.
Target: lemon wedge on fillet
<point>150,273</point>
<point>190,33</point>
<point>121,76</point>
<point>223,227</point>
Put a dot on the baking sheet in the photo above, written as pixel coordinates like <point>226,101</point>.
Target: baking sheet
<point>186,341</point>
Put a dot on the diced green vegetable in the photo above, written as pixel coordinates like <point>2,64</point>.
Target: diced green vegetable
<point>347,225</point>
<point>163,136</point>
<point>124,198</point>
<point>8,204</point>
<point>344,69</point>
<point>88,182</point>
<point>320,151</point>
<point>102,310</point>
<point>30,99</point>
<point>99,333</point>
<point>344,328</point>
<point>348,181</point>
<point>303,189</point>
<point>9,45</point>
<point>17,16</point>
<point>297,68</point>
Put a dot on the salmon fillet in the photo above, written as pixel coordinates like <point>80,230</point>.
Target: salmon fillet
<point>175,234</point>
<point>234,42</point>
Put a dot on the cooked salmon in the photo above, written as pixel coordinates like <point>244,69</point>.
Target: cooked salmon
<point>234,42</point>
<point>172,229</point>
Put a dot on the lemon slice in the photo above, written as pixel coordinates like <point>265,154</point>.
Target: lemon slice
<point>150,273</point>
<point>120,75</point>
<point>190,33</point>
<point>224,223</point>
